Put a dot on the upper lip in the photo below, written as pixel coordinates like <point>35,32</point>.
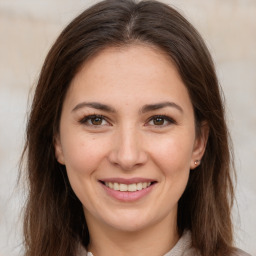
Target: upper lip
<point>127,181</point>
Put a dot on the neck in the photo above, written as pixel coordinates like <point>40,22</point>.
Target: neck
<point>153,240</point>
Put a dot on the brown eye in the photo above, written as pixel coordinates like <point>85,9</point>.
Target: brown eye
<point>161,121</point>
<point>96,120</point>
<point>158,121</point>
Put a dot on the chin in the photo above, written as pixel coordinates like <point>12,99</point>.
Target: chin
<point>130,222</point>
<point>132,226</point>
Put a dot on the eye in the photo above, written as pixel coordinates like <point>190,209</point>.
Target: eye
<point>161,120</point>
<point>94,120</point>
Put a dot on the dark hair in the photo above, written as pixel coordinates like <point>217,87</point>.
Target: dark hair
<point>54,222</point>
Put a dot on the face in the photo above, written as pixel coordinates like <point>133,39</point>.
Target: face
<point>127,138</point>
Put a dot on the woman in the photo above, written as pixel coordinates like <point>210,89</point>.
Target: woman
<point>128,149</point>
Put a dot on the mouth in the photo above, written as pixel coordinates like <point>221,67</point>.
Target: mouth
<point>128,187</point>
<point>127,190</point>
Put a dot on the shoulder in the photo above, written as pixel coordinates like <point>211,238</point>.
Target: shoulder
<point>239,252</point>
<point>185,248</point>
<point>81,251</point>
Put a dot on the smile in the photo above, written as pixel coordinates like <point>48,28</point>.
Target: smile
<point>127,190</point>
<point>127,187</point>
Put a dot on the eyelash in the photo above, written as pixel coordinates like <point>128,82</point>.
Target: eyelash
<point>165,118</point>
<point>85,119</point>
<point>88,118</point>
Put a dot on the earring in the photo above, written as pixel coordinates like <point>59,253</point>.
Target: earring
<point>197,162</point>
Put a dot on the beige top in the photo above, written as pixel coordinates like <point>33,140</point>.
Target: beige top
<point>182,248</point>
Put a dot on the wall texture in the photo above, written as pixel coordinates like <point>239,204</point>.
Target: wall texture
<point>29,27</point>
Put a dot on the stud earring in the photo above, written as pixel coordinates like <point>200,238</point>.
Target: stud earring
<point>197,162</point>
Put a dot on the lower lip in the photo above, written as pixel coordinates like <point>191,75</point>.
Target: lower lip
<point>127,196</point>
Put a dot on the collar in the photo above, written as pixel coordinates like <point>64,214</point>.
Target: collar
<point>182,248</point>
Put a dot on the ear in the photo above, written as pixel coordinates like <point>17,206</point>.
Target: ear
<point>58,150</point>
<point>199,145</point>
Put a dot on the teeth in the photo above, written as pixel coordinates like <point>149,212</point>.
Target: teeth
<point>131,187</point>
<point>116,186</point>
<point>123,187</point>
<point>144,184</point>
<point>139,186</point>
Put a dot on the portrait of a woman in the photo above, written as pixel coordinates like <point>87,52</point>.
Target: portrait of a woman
<point>128,151</point>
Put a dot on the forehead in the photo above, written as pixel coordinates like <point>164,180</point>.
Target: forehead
<point>134,58</point>
<point>131,72</point>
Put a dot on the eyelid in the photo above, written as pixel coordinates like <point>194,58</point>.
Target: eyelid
<point>167,118</point>
<point>86,118</point>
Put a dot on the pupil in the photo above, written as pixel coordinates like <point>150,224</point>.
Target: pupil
<point>97,121</point>
<point>158,121</point>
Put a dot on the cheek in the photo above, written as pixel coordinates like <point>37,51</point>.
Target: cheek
<point>173,156</point>
<point>173,153</point>
<point>82,154</point>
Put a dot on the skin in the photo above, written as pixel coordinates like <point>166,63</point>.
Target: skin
<point>129,142</point>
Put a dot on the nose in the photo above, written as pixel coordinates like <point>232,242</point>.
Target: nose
<point>128,150</point>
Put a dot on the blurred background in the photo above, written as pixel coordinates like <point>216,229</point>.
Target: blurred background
<point>29,27</point>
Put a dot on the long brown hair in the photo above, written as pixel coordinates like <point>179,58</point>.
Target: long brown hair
<point>54,222</point>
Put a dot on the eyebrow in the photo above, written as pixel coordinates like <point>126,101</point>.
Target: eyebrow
<point>144,109</point>
<point>160,105</point>
<point>95,105</point>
